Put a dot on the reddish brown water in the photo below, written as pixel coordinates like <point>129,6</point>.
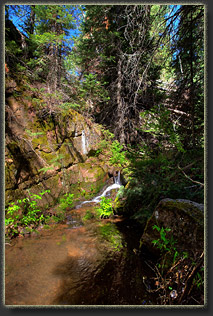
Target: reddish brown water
<point>74,264</point>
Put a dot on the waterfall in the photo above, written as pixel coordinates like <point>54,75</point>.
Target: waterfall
<point>117,179</point>
<point>116,185</point>
<point>83,142</point>
<point>97,199</point>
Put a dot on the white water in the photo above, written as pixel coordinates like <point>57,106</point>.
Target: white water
<point>116,185</point>
<point>83,141</point>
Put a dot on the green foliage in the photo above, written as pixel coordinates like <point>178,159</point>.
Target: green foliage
<point>169,253</point>
<point>180,275</point>
<point>89,215</point>
<point>25,213</point>
<point>68,105</point>
<point>110,233</point>
<point>45,169</point>
<point>66,201</point>
<point>54,163</point>
<point>199,279</point>
<point>121,192</point>
<point>34,134</point>
<point>106,208</point>
<point>112,149</point>
<point>105,143</point>
<point>118,156</point>
<point>155,177</point>
<point>166,245</point>
<point>189,73</point>
<point>158,123</point>
<point>92,89</point>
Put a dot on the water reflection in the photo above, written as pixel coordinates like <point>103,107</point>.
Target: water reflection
<point>91,264</point>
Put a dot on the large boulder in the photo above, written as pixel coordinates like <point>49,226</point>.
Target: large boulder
<point>186,221</point>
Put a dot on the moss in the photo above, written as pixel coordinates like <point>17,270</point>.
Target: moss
<point>119,206</point>
<point>85,180</point>
<point>92,172</point>
<point>40,140</point>
<point>183,208</point>
<point>67,157</point>
<point>109,232</point>
<point>89,215</point>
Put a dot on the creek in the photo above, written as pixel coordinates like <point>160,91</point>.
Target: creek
<point>78,262</point>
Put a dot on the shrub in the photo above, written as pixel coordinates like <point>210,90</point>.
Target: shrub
<point>118,156</point>
<point>155,178</point>
<point>179,277</point>
<point>25,213</point>
<point>65,202</point>
<point>106,208</point>
<point>112,149</point>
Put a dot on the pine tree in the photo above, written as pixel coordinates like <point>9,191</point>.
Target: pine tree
<point>116,45</point>
<point>52,25</point>
<point>188,62</point>
<point>43,33</point>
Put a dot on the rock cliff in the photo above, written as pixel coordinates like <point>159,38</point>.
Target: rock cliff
<point>48,150</point>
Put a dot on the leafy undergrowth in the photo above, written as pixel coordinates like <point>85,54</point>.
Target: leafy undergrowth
<point>174,175</point>
<point>179,276</point>
<point>112,150</point>
<point>105,210</point>
<point>25,216</point>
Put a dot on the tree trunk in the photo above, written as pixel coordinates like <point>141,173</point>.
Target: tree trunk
<point>32,20</point>
<point>192,105</point>
<point>120,110</point>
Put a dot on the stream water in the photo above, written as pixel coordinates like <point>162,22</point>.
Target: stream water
<point>78,262</point>
<point>116,185</point>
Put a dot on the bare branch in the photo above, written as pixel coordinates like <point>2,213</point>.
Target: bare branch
<point>189,177</point>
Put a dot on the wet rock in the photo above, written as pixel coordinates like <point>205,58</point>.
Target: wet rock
<point>185,219</point>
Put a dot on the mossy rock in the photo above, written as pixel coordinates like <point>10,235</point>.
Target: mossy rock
<point>186,221</point>
<point>42,141</point>
<point>91,172</point>
<point>10,171</point>
<point>119,205</point>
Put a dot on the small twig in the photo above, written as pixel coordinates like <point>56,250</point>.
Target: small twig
<point>191,186</point>
<point>189,280</point>
<point>159,277</point>
<point>196,301</point>
<point>174,266</point>
<point>179,112</point>
<point>189,177</point>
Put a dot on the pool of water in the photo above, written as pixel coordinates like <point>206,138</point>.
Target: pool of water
<point>78,262</point>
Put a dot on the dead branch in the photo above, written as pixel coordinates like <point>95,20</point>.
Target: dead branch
<point>179,112</point>
<point>190,278</point>
<point>189,177</point>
